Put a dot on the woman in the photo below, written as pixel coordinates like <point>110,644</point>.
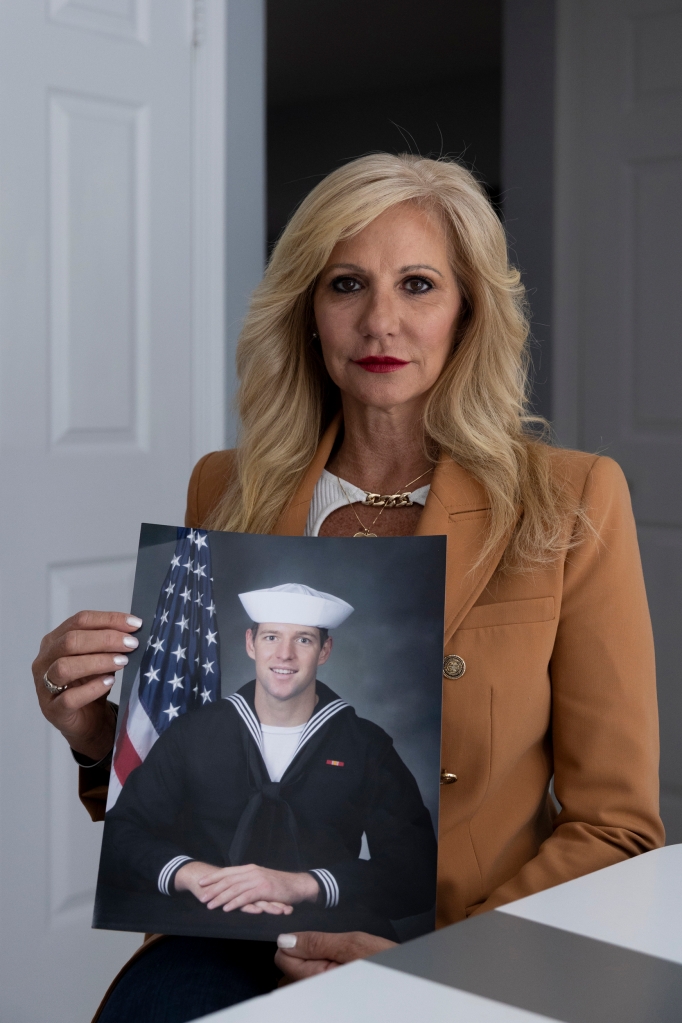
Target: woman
<point>385,353</point>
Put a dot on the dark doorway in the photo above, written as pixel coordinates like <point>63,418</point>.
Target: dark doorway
<point>367,75</point>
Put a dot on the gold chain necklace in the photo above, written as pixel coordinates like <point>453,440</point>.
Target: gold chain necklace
<point>401,499</point>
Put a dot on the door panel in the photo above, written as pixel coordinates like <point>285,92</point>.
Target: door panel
<point>618,382</point>
<point>128,19</point>
<point>104,382</point>
<point>98,270</point>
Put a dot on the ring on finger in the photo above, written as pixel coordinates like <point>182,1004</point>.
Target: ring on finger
<point>51,688</point>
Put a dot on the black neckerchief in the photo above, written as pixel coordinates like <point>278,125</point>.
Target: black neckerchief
<point>267,832</point>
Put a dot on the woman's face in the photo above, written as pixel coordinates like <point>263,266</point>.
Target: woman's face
<point>386,308</point>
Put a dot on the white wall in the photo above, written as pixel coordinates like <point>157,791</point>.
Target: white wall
<point>528,111</point>
<point>617,325</point>
<point>245,173</point>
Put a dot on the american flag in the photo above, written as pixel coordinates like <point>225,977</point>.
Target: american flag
<point>180,667</point>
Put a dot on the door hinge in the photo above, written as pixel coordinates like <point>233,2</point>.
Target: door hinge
<point>198,22</point>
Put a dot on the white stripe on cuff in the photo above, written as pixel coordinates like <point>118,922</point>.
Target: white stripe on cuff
<point>329,884</point>
<point>167,872</point>
<point>319,874</point>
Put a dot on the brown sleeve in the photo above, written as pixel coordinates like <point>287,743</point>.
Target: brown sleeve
<point>207,484</point>
<point>604,710</point>
<point>93,782</point>
<point>93,786</point>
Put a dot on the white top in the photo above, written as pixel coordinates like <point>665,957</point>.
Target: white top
<point>328,496</point>
<point>279,747</point>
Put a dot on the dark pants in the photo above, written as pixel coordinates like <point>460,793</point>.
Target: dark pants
<point>179,979</point>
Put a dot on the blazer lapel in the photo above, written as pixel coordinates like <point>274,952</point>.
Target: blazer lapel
<point>457,507</point>
<point>294,517</point>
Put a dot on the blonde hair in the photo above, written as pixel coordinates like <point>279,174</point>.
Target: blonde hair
<point>478,409</point>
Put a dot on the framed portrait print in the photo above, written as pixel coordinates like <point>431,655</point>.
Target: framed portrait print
<point>277,757</point>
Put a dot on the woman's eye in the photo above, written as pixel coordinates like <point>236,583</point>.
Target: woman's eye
<point>345,285</point>
<point>417,285</point>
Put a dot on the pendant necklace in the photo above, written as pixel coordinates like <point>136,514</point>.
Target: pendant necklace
<point>401,499</point>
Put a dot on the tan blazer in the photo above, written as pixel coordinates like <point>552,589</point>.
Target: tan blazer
<point>559,681</point>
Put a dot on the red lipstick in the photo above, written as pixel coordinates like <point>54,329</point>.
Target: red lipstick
<point>380,363</point>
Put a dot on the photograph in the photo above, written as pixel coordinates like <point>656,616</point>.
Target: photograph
<point>278,743</point>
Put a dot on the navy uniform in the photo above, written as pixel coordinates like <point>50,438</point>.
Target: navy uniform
<point>204,793</point>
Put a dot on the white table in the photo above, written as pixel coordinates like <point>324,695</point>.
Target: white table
<point>606,947</point>
<point>636,904</point>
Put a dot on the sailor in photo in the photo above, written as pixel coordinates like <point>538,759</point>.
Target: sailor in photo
<point>259,802</point>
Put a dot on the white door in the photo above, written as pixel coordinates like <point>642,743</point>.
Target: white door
<point>112,230</point>
<point>618,317</point>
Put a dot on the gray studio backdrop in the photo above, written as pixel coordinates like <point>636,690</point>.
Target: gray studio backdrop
<point>387,657</point>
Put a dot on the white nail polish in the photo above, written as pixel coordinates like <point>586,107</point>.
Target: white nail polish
<point>131,642</point>
<point>286,941</point>
<point>135,622</point>
<point>109,681</point>
<point>120,659</point>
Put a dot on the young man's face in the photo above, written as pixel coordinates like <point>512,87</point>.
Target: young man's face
<point>287,657</point>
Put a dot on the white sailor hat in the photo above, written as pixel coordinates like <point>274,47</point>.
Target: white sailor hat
<point>295,604</point>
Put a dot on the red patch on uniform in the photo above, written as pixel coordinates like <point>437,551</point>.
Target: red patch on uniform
<point>335,763</point>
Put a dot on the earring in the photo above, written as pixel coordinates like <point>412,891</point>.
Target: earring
<point>316,336</point>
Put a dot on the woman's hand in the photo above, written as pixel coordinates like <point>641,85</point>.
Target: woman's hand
<point>306,953</point>
<point>83,653</point>
<point>250,888</point>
